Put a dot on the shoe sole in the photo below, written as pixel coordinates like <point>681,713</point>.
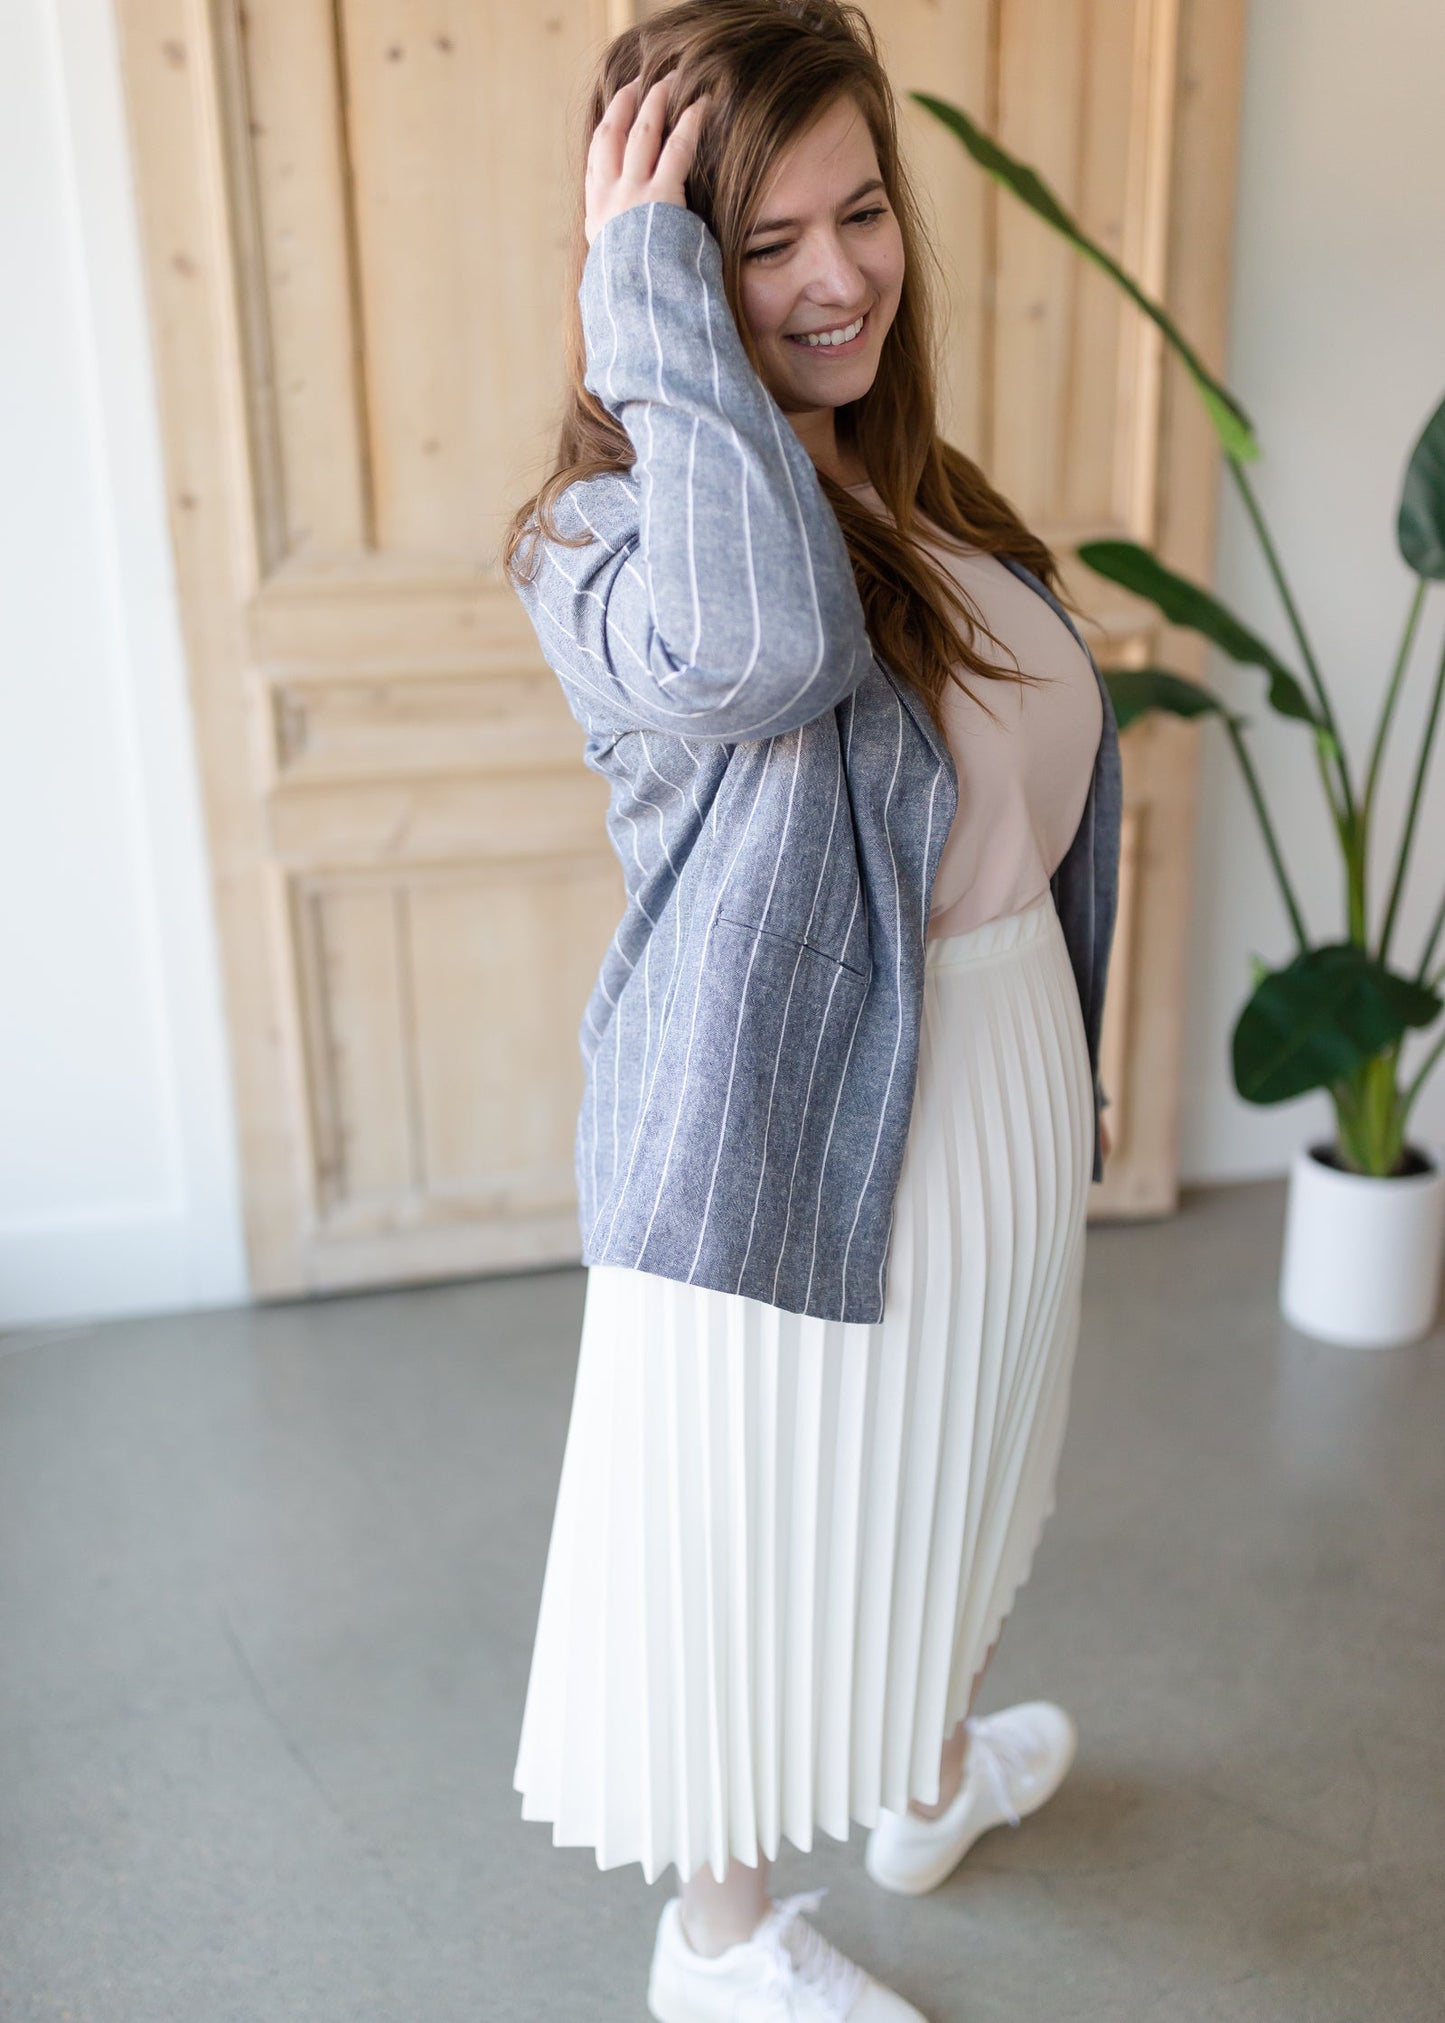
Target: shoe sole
<point>920,1882</point>
<point>665,2012</point>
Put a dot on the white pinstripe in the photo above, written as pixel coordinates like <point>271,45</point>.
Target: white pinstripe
<point>636,897</point>
<point>647,480</point>
<point>676,906</point>
<point>590,1095</point>
<point>827,1143</point>
<point>617,1025</point>
<point>897,1039</point>
<point>743,1003</point>
<point>927,846</point>
<point>692,783</point>
<point>691,1034</point>
<point>782,1031</point>
<point>672,787</point>
<point>898,1003</point>
<point>818,1045</point>
<point>607,298</point>
<point>692,545</point>
<point>642,1065</point>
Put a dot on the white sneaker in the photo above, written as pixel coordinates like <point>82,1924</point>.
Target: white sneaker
<point>1016,1759</point>
<point>787,1972</point>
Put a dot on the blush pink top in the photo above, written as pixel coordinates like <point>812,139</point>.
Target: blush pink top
<point>1024,773</point>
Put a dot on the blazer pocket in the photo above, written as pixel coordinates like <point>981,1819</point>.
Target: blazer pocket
<point>774,945</point>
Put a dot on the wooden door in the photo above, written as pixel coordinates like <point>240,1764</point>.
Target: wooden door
<point>352,213</point>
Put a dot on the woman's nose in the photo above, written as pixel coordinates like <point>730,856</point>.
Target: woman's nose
<point>836,278</point>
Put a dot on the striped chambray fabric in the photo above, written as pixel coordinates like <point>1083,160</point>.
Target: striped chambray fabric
<point>779,802</point>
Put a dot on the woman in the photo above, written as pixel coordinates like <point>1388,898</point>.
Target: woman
<point>842,1103</point>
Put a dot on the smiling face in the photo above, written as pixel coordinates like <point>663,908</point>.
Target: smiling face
<point>825,253</point>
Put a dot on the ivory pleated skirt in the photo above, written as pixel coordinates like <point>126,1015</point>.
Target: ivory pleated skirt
<point>783,1547</point>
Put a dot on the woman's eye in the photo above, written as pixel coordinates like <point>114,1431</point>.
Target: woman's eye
<point>858,218</point>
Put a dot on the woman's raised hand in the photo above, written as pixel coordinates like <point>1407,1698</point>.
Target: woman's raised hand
<point>624,164</point>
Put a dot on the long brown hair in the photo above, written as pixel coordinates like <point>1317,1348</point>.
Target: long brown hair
<point>772,67</point>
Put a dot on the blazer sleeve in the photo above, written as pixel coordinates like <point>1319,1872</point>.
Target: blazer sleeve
<point>715,597</point>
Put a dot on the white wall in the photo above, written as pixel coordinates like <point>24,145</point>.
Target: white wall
<point>117,1162</point>
<point>1337,350</point>
<point>117,1158</point>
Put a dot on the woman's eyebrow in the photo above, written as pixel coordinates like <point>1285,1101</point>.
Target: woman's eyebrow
<point>781,224</point>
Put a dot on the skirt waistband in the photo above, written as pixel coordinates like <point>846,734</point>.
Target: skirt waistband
<point>991,937</point>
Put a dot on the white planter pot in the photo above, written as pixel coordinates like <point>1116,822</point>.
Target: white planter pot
<point>1362,1256</point>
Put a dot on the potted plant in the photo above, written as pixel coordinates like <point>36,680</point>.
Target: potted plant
<point>1365,1221</point>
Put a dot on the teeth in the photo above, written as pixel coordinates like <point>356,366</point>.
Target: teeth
<point>843,336</point>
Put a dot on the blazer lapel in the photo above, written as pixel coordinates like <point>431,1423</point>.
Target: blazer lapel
<point>916,708</point>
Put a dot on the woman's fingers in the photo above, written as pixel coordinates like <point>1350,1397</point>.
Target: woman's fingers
<point>629,163</point>
<point>680,148</point>
<point>644,140</point>
<point>609,136</point>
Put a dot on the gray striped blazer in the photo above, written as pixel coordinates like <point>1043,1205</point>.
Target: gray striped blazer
<point>779,802</point>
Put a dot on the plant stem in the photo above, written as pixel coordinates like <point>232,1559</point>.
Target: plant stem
<point>1236,738</point>
<point>1412,619</point>
<point>1360,857</point>
<point>1417,1081</point>
<point>1421,768</point>
<point>1436,926</point>
<point>1312,666</point>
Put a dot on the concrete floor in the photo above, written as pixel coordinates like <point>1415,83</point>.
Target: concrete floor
<point>268,1583</point>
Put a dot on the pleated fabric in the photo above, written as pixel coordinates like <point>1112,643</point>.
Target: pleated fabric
<point>783,1547</point>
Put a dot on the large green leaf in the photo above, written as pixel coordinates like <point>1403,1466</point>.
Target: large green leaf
<point>1316,1021</point>
<point>1185,603</point>
<point>1134,691</point>
<point>1420,528</point>
<point>1232,425</point>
